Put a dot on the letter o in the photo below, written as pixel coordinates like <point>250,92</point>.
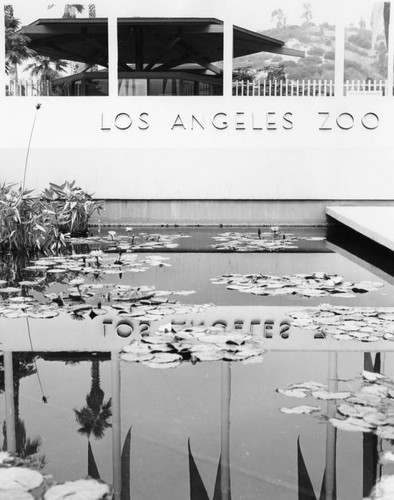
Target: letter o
<point>125,126</point>
<point>375,121</point>
<point>343,124</point>
<point>124,328</point>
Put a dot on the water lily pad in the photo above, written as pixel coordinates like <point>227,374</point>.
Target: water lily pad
<point>375,418</point>
<point>166,358</point>
<point>43,314</point>
<point>208,355</point>
<point>371,376</point>
<point>293,393</point>
<point>326,395</point>
<point>83,489</point>
<point>300,410</point>
<point>353,410</point>
<point>15,495</point>
<point>19,478</point>
<point>153,364</point>
<point>385,432</point>
<point>386,457</point>
<point>350,425</point>
<point>136,357</point>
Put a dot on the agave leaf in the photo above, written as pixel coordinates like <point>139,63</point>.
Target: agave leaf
<point>197,488</point>
<point>92,466</point>
<point>217,494</point>
<point>125,491</point>
<point>305,488</point>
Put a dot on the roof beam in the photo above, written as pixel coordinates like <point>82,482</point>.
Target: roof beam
<point>167,49</point>
<point>183,58</point>
<point>201,60</point>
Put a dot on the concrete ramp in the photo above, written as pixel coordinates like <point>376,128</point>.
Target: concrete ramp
<point>377,223</point>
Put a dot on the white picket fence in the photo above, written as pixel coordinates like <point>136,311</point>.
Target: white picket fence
<point>28,88</point>
<point>365,87</point>
<point>307,88</point>
<point>285,88</point>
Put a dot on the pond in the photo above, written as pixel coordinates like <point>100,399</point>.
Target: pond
<point>152,375</point>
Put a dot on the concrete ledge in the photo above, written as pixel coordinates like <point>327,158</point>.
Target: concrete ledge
<point>226,212</point>
<point>375,222</point>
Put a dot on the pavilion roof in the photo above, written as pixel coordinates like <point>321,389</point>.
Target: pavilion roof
<point>146,44</point>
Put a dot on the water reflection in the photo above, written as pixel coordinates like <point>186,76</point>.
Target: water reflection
<point>212,430</point>
<point>16,440</point>
<point>94,417</point>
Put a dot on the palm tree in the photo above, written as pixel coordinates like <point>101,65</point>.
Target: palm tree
<point>71,10</point>
<point>92,10</point>
<point>93,418</point>
<point>16,44</point>
<point>45,68</point>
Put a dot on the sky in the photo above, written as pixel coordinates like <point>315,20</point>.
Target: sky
<point>251,14</point>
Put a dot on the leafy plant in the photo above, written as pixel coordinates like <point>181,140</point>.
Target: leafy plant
<point>26,224</point>
<point>42,223</point>
<point>73,207</point>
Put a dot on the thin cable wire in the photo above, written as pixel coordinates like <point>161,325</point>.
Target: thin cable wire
<point>28,147</point>
<point>44,398</point>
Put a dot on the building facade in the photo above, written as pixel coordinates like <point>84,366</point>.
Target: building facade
<point>175,135</point>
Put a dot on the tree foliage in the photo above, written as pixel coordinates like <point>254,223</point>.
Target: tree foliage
<point>16,43</point>
<point>46,68</point>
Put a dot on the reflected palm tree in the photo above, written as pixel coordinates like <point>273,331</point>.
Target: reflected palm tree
<point>94,417</point>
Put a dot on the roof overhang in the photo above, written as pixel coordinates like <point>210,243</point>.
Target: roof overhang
<point>152,44</point>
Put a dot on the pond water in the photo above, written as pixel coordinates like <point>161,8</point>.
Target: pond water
<point>208,429</point>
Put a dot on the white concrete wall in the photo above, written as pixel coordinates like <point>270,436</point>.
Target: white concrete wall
<point>165,163</point>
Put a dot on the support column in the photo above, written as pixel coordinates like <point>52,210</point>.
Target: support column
<point>228,58</point>
<point>390,54</point>
<point>9,402</point>
<point>112,55</point>
<point>116,426</point>
<point>339,55</point>
<point>331,432</point>
<point>225,485</point>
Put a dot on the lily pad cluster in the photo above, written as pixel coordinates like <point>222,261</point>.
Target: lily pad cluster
<point>132,241</point>
<point>82,300</point>
<point>368,408</point>
<point>271,241</point>
<point>20,482</point>
<point>318,284</point>
<point>93,297</point>
<point>367,324</point>
<point>96,263</point>
<point>173,344</point>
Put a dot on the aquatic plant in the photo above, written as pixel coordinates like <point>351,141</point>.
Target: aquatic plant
<point>41,223</point>
<point>72,206</point>
<point>26,223</point>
